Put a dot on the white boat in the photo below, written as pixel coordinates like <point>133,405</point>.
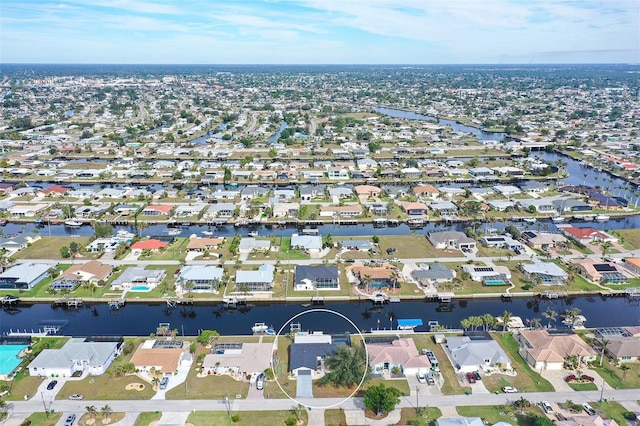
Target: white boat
<point>72,223</point>
<point>602,218</point>
<point>557,218</point>
<point>174,232</point>
<point>259,327</point>
<point>207,233</point>
<point>253,234</point>
<point>530,219</point>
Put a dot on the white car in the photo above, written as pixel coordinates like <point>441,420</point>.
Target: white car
<point>421,378</point>
<point>546,407</point>
<point>509,389</point>
<point>588,409</point>
<point>76,396</point>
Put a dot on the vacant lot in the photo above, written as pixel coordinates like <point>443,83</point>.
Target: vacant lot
<point>49,248</point>
<point>498,413</point>
<point>413,246</point>
<point>252,418</point>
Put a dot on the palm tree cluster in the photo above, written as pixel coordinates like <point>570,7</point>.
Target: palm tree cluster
<point>486,322</point>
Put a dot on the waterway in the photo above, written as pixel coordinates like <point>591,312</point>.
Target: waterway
<point>141,319</point>
<point>274,138</point>
<point>454,125</point>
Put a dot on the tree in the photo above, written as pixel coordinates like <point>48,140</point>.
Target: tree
<point>64,252</point>
<point>506,317</point>
<point>605,247</point>
<point>381,399</point>
<point>102,231</point>
<point>91,410</point>
<point>604,343</point>
<point>346,366</point>
<point>551,315</point>
<point>106,411</point>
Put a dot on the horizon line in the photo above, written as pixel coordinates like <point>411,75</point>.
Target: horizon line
<point>323,64</point>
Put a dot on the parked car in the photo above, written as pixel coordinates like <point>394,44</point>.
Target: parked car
<point>70,420</point>
<point>260,382</point>
<point>76,396</point>
<point>546,407</point>
<point>421,378</point>
<point>471,378</point>
<point>52,384</point>
<point>588,409</point>
<point>430,379</point>
<point>476,375</point>
<point>509,389</point>
<point>164,382</point>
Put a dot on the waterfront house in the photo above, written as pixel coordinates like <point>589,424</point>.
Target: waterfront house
<point>352,210</point>
<point>16,242</point>
<point>488,275</point>
<point>222,210</point>
<point>599,271</point>
<point>548,273</point>
<point>308,353</point>
<point>281,210</point>
<point>464,421</point>
<point>311,244</point>
<point>415,210</point>
<point>572,205</point>
<point>157,210</point>
<point>312,277</point>
<point>202,244</point>
<point>433,273</point>
<point>311,192</point>
<point>337,173</point>
<point>55,191</point>
<point>451,240</point>
<point>135,276</point>
<point>92,272</point>
<point>375,278</point>
<point>587,235</point>
<point>258,280</point>
<point>200,278</point>
<point>238,359</point>
<point>444,208</point>
<point>188,210</point>
<point>623,348</point>
<point>85,355</point>
<point>506,190</point>
<point>26,210</point>
<point>501,241</point>
<point>340,192</point>
<point>367,191</point>
<point>250,244</point>
<point>106,245</point>
<point>545,351</point>
<point>151,244</point>
<point>24,276</point>
<point>539,205</point>
<point>543,240</point>
<point>481,172</point>
<point>475,354</point>
<point>400,353</point>
<point>426,191</point>
<point>632,264</point>
<point>360,245</point>
<point>159,356</point>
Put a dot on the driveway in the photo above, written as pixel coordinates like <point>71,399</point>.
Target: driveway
<point>174,381</point>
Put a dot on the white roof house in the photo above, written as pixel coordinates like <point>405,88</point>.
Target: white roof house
<point>76,355</point>
<point>260,280</point>
<point>200,278</point>
<point>472,355</point>
<point>134,275</point>
<point>24,276</point>
<point>306,242</point>
<point>247,245</point>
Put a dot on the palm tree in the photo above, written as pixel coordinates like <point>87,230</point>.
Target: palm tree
<point>624,368</point>
<point>465,323</point>
<point>604,343</point>
<point>506,317</point>
<point>536,323</point>
<point>91,410</point>
<point>551,315</point>
<point>571,315</point>
<point>106,411</point>
<point>606,246</point>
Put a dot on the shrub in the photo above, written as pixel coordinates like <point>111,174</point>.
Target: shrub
<point>587,378</point>
<point>235,418</point>
<point>291,421</point>
<point>629,415</point>
<point>570,378</point>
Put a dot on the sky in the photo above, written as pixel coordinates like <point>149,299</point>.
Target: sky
<point>320,31</point>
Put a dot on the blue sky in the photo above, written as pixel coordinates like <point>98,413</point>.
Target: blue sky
<point>320,31</point>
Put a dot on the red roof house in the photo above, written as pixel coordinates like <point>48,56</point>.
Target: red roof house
<point>150,244</point>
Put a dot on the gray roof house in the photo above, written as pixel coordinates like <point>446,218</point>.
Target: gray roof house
<point>309,243</point>
<point>137,276</point>
<point>77,354</point>
<point>435,272</point>
<point>200,278</point>
<point>362,245</point>
<point>24,276</point>
<point>472,355</point>
<point>460,421</point>
<point>451,239</point>
<point>308,277</point>
<point>310,356</point>
<point>249,244</point>
<point>260,280</point>
<point>547,272</point>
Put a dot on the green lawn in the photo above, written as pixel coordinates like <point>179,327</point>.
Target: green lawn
<point>412,246</point>
<point>497,413</point>
<point>610,410</point>
<point>145,419</point>
<point>49,248</point>
<point>252,418</point>
<point>177,250</point>
<point>42,419</point>
<point>430,414</point>
<point>526,380</point>
<point>583,386</point>
<point>335,417</point>
<point>618,378</point>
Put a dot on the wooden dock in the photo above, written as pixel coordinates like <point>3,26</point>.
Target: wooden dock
<point>73,302</point>
<point>172,302</point>
<point>115,304</point>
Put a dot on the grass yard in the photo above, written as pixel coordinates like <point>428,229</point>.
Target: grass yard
<point>335,417</point>
<point>412,246</point>
<point>610,410</point>
<point>177,250</point>
<point>430,414</point>
<point>526,379</point>
<point>252,418</point>
<point>329,391</point>
<point>583,386</point>
<point>145,419</point>
<point>271,388</point>
<point>497,413</point>
<point>87,420</point>
<point>42,419</point>
<point>618,378</point>
<point>630,238</point>
<point>49,248</point>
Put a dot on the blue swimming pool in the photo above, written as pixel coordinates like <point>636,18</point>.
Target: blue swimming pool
<point>9,358</point>
<point>140,288</point>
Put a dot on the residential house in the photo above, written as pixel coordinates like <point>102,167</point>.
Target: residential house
<point>506,190</point>
<point>281,210</point>
<point>311,244</point>
<point>259,280</point>
<point>312,277</point>
<point>632,264</point>
<point>547,273</point>
<point>188,210</point>
<point>220,210</point>
<point>426,191</point>
<point>415,210</point>
<point>352,210</point>
<point>156,356</point>
<point>137,276</point>
<point>462,421</point>
<point>90,356</point>
<point>126,209</point>
<point>311,192</point>
<point>587,235</point>
<point>24,276</point>
<point>55,191</point>
<point>400,354</point>
<point>539,205</point>
<point>488,275</point>
<point>377,209</point>
<point>481,172</point>
<point>624,349</point>
<point>444,208</point>
<point>543,240</point>
<point>411,173</point>
<point>250,244</point>
<point>367,191</point>
<point>16,242</point>
<point>377,277</point>
<point>476,354</point>
<point>200,278</point>
<point>572,205</point>
<point>545,351</point>
<point>434,273</point>
<point>157,210</point>
<point>360,245</point>
<point>92,272</point>
<point>26,210</point>
<point>151,244</point>
<point>337,173</point>
<point>501,241</point>
<point>308,353</point>
<point>601,272</point>
<point>202,244</point>
<point>105,245</point>
<point>238,359</point>
<point>340,192</point>
<point>451,240</point>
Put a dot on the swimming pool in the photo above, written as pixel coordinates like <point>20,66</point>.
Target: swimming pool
<point>140,288</point>
<point>9,358</point>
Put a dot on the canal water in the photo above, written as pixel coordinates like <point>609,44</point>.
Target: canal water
<point>142,319</point>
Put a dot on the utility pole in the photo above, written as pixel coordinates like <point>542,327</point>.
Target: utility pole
<point>417,399</point>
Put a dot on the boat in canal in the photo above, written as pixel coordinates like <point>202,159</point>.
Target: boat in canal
<point>72,223</point>
<point>602,218</point>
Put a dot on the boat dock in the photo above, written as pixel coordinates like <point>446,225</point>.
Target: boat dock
<point>10,300</point>
<point>73,302</point>
<point>172,302</point>
<point>115,304</point>
<point>553,294</point>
